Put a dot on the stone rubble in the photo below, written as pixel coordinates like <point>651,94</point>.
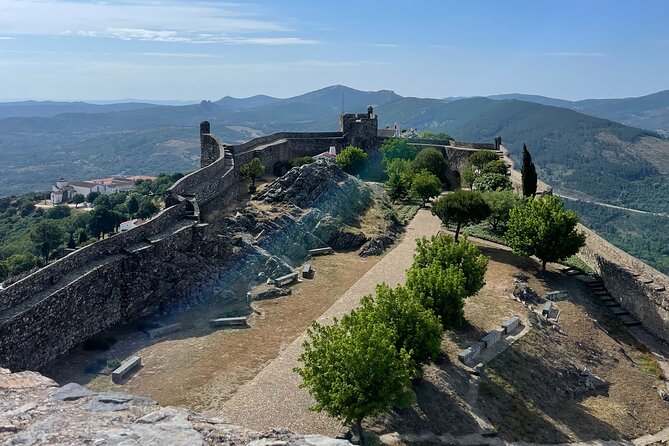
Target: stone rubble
<point>38,412</point>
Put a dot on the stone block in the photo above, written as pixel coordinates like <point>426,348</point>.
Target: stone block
<point>308,271</point>
<point>321,251</point>
<point>285,280</point>
<point>491,338</point>
<point>126,367</point>
<point>162,331</point>
<point>471,353</point>
<point>549,310</point>
<point>228,322</point>
<point>509,325</point>
<point>556,295</point>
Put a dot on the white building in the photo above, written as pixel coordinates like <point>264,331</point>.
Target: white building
<point>65,190</point>
<point>330,155</point>
<point>130,224</point>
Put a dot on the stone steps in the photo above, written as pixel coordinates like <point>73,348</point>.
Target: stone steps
<point>629,321</point>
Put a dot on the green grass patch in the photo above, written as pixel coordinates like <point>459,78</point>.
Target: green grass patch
<point>406,209</point>
<point>649,363</point>
<point>580,265</point>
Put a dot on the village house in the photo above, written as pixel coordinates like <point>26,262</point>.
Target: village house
<point>63,191</point>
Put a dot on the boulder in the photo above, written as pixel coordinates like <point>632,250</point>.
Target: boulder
<point>265,291</point>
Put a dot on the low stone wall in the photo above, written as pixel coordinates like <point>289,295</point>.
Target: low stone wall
<point>53,273</point>
<point>257,142</point>
<point>640,289</point>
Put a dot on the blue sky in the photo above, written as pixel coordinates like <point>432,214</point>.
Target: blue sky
<point>192,49</point>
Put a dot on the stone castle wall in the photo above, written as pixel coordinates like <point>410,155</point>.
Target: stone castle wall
<point>137,272</point>
<point>640,289</point>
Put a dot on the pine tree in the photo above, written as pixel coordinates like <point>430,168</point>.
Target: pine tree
<point>529,173</point>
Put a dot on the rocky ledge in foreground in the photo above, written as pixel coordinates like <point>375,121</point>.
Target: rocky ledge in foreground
<point>34,410</point>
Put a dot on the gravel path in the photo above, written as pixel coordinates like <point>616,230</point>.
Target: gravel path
<point>273,398</point>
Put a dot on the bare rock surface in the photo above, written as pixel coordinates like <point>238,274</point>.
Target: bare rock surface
<point>35,413</point>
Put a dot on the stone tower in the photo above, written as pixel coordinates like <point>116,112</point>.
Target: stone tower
<point>360,130</point>
<point>209,148</point>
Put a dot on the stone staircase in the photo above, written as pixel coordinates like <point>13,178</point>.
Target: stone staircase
<point>601,293</point>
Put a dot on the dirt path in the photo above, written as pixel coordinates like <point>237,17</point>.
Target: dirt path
<point>273,398</point>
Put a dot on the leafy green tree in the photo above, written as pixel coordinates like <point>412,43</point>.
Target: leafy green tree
<point>353,369</point>
<point>102,221</point>
<point>440,289</point>
<point>82,237</point>
<point>352,160</point>
<point>529,174</point>
<point>397,148</point>
<point>425,185</point>
<point>497,166</point>
<point>252,170</point>
<point>46,235</point>
<point>78,199</point>
<point>479,159</point>
<point>26,208</point>
<point>147,208</point>
<point>58,212</point>
<point>102,201</point>
<point>542,227</point>
<point>443,251</point>
<point>433,161</point>
<point>90,198</point>
<point>461,207</point>
<point>491,181</point>
<point>500,204</point>
<point>417,329</point>
<point>468,176</point>
<point>116,199</point>
<point>132,204</point>
<point>395,186</point>
<point>20,262</point>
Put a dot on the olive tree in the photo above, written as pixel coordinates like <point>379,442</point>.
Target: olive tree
<point>252,170</point>
<point>440,289</point>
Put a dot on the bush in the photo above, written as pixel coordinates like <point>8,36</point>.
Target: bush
<point>479,159</point>
<point>442,250</point>
<point>441,290</point>
<point>491,181</point>
<point>301,161</point>
<point>425,185</point>
<point>352,160</point>
<point>500,204</point>
<point>497,166</point>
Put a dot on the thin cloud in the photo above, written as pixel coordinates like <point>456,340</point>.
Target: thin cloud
<point>6,38</point>
<point>182,55</point>
<point>384,45</point>
<point>576,54</point>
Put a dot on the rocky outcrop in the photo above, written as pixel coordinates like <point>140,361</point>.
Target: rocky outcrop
<point>35,411</point>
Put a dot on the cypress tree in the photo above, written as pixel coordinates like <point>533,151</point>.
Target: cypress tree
<point>529,173</point>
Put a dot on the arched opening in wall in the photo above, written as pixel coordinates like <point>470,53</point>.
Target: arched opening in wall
<point>456,181</point>
<point>189,208</point>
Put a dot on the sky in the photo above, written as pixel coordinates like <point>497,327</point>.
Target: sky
<point>204,49</point>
